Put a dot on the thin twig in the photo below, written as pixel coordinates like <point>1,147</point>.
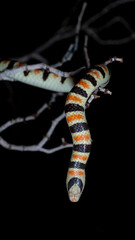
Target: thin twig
<point>114,20</point>
<point>85,48</point>
<point>78,26</point>
<point>39,146</point>
<point>100,41</point>
<point>114,59</point>
<point>104,11</point>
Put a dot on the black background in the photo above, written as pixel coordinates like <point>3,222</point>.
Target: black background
<point>33,187</point>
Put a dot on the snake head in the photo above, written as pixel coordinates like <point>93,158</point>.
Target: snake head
<point>74,193</point>
<point>75,187</point>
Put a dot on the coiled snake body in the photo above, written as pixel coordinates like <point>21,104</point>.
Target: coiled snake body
<point>75,113</point>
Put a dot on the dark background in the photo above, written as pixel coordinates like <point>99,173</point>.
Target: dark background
<point>33,184</point>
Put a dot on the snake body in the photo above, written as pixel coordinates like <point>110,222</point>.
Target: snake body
<point>75,112</point>
<point>41,78</point>
<point>75,115</point>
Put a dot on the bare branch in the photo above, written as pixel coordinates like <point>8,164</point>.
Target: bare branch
<point>56,149</point>
<point>12,122</point>
<point>96,37</point>
<point>114,21</point>
<point>85,48</point>
<point>114,59</point>
<point>38,146</point>
<point>78,26</point>
<point>67,56</point>
<point>104,11</point>
<point>73,47</point>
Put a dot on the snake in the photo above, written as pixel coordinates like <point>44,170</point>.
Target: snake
<point>75,106</point>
